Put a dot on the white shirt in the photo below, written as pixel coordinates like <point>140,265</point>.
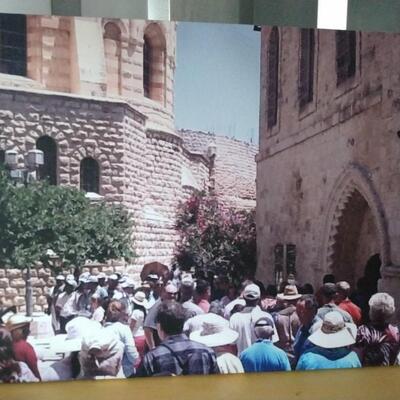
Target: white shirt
<point>98,314</point>
<point>229,307</point>
<point>138,316</point>
<point>243,323</point>
<point>229,364</point>
<point>68,303</point>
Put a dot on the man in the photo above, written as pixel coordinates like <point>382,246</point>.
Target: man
<point>170,292</point>
<point>287,321</point>
<point>67,303</point>
<point>52,300</point>
<point>332,345</point>
<point>243,321</point>
<point>328,297</point>
<point>343,301</point>
<point>263,355</point>
<point>176,354</point>
<point>186,291</point>
<point>202,295</point>
<point>238,301</point>
<point>306,309</point>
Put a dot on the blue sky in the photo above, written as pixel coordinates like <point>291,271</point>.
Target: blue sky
<point>217,79</point>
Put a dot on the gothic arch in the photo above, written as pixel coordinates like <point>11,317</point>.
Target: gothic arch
<point>112,37</point>
<point>154,62</point>
<point>354,190</point>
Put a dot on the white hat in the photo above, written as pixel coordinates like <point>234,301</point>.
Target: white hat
<point>72,341</point>
<point>334,332</point>
<point>140,298</point>
<point>16,321</point>
<point>251,292</point>
<point>289,293</point>
<point>60,278</point>
<point>187,279</point>
<point>70,280</point>
<point>128,283</point>
<point>92,279</point>
<point>215,332</point>
<point>113,277</point>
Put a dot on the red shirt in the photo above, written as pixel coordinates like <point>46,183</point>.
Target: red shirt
<point>23,351</point>
<point>352,309</point>
<point>204,305</point>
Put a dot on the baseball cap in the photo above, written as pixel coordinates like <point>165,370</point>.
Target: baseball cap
<point>251,292</point>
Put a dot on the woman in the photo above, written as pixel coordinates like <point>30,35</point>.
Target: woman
<point>10,369</point>
<point>137,318</point>
<point>378,341</point>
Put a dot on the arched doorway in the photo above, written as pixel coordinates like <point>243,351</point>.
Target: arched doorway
<point>355,239</point>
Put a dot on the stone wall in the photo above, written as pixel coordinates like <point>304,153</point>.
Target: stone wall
<point>317,164</point>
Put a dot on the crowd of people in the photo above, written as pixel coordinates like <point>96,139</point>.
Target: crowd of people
<point>106,326</point>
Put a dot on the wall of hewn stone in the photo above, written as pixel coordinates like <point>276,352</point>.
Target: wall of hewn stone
<point>311,162</point>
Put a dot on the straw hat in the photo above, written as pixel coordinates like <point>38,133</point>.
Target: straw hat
<point>334,332</point>
<point>289,293</point>
<point>215,332</point>
<point>17,321</point>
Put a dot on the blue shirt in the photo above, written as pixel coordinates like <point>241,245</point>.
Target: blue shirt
<point>263,356</point>
<point>319,358</point>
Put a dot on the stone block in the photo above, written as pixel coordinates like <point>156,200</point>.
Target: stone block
<point>11,292</point>
<point>4,283</point>
<point>19,300</point>
<point>13,273</point>
<point>44,273</point>
<point>41,300</point>
<point>5,302</point>
<point>2,273</point>
<point>37,308</point>
<point>38,282</point>
<point>17,283</point>
<point>37,291</point>
<point>22,291</point>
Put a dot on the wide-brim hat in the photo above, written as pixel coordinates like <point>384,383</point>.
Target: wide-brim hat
<point>140,298</point>
<point>334,332</point>
<point>289,293</point>
<point>215,332</point>
<point>17,321</point>
<point>63,344</point>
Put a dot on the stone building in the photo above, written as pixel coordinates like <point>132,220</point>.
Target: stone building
<point>328,178</point>
<point>96,95</point>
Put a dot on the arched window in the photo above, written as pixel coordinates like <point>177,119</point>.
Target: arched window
<point>154,63</point>
<point>112,49</point>
<point>90,175</point>
<point>48,171</point>
<point>272,78</point>
<point>345,55</point>
<point>306,78</point>
<point>13,44</point>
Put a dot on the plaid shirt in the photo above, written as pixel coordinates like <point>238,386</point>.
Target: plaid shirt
<point>194,357</point>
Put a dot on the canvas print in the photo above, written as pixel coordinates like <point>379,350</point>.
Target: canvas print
<point>184,198</point>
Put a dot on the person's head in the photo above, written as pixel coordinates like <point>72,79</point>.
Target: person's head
<point>381,308</point>
<point>244,284</point>
<point>113,281</point>
<point>222,283</point>
<point>343,291</point>
<point>328,292</point>
<point>264,328</point>
<point>232,292</point>
<point>10,369</point>
<point>170,319</point>
<point>271,291</point>
<point>307,288</point>
<point>251,295</point>
<point>169,292</point>
<point>202,290</point>
<point>95,301</point>
<point>101,278</point>
<point>60,280</point>
<point>186,289</point>
<point>328,278</point>
<point>290,295</point>
<point>115,311</point>
<point>70,285</point>
<point>306,309</point>
<point>216,308</point>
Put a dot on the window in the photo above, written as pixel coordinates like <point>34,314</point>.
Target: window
<point>154,63</point>
<point>48,171</point>
<point>284,261</point>
<point>112,49</point>
<point>146,67</point>
<point>13,44</point>
<point>345,55</point>
<point>306,78</point>
<point>90,175</point>
<point>272,78</point>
